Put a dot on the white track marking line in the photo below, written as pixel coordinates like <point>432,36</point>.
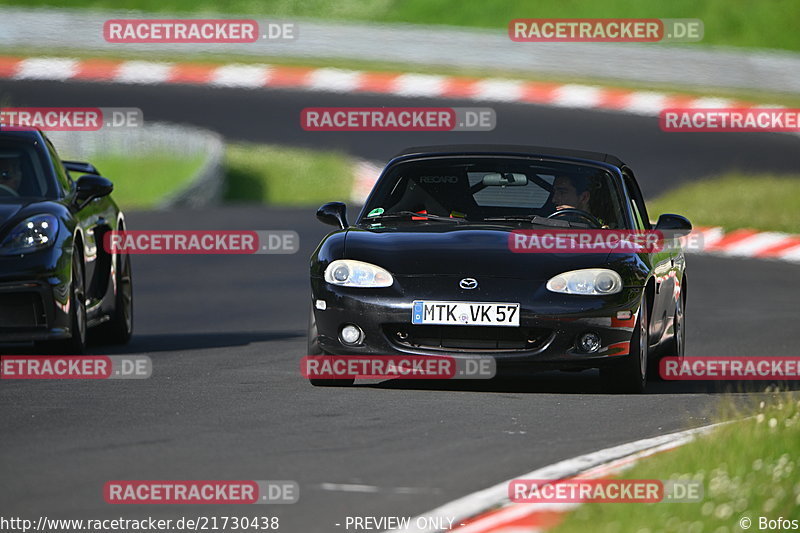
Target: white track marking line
<point>334,79</point>
<point>146,72</point>
<point>246,76</point>
<point>792,254</point>
<point>645,103</point>
<point>752,245</point>
<point>497,495</point>
<point>498,90</point>
<point>46,68</point>
<point>581,96</point>
<point>514,511</point>
<point>419,85</point>
<point>357,487</point>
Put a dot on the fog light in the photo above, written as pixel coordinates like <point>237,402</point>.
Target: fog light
<point>351,334</point>
<point>589,342</point>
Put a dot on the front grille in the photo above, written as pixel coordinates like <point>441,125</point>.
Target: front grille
<point>21,310</point>
<point>466,338</point>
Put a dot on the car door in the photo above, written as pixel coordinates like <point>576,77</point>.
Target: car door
<point>94,219</point>
<point>663,263</point>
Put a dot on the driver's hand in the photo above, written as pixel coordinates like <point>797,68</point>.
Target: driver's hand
<point>560,207</point>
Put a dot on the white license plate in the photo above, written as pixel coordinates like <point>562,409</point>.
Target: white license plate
<point>465,313</point>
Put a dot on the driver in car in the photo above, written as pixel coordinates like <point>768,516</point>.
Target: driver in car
<point>10,174</point>
<point>571,192</point>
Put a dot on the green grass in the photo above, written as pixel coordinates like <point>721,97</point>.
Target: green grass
<point>142,182</point>
<point>763,202</point>
<point>286,176</point>
<point>749,468</point>
<point>747,23</point>
<point>254,174</point>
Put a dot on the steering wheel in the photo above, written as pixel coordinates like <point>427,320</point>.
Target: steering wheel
<point>8,191</point>
<point>578,213</point>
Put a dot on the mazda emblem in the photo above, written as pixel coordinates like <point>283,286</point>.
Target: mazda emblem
<point>468,283</point>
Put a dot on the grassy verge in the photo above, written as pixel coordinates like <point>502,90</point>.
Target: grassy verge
<point>253,173</point>
<point>286,176</point>
<point>142,182</point>
<point>749,468</point>
<point>763,202</point>
<point>749,23</point>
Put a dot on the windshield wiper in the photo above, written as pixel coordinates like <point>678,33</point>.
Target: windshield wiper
<point>537,220</point>
<point>412,214</point>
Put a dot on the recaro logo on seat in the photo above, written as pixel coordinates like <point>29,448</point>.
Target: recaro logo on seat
<point>438,179</point>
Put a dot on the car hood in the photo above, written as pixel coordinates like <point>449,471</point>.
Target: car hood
<point>439,249</point>
<point>8,211</point>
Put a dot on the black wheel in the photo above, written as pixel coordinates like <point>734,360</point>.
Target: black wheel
<point>119,328</point>
<point>315,349</point>
<point>676,345</point>
<point>76,344</point>
<point>630,376</point>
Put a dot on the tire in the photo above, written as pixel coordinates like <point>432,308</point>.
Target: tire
<point>119,329</point>
<point>315,349</point>
<point>76,344</point>
<point>630,376</point>
<point>676,345</point>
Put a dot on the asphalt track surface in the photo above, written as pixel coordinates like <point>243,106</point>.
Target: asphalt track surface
<point>225,333</point>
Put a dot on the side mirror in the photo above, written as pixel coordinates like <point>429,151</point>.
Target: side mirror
<point>676,224</point>
<point>334,214</point>
<point>89,187</point>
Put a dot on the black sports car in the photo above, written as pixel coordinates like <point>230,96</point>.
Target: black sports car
<point>56,280</point>
<point>427,268</point>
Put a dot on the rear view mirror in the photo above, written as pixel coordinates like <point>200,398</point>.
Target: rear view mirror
<point>507,179</point>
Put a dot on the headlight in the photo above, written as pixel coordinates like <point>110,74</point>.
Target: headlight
<point>350,273</point>
<point>590,281</point>
<point>32,234</point>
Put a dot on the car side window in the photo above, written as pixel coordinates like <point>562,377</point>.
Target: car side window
<point>64,179</point>
<point>637,202</point>
<point>637,216</point>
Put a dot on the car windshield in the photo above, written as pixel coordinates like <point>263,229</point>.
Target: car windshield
<point>22,173</point>
<point>497,190</point>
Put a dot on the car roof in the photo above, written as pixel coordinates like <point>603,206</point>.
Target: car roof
<point>507,149</point>
<point>30,134</point>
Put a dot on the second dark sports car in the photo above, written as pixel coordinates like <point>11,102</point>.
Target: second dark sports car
<point>57,283</point>
<point>428,267</point>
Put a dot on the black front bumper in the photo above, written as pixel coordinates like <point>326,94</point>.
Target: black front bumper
<point>34,298</point>
<point>545,338</point>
